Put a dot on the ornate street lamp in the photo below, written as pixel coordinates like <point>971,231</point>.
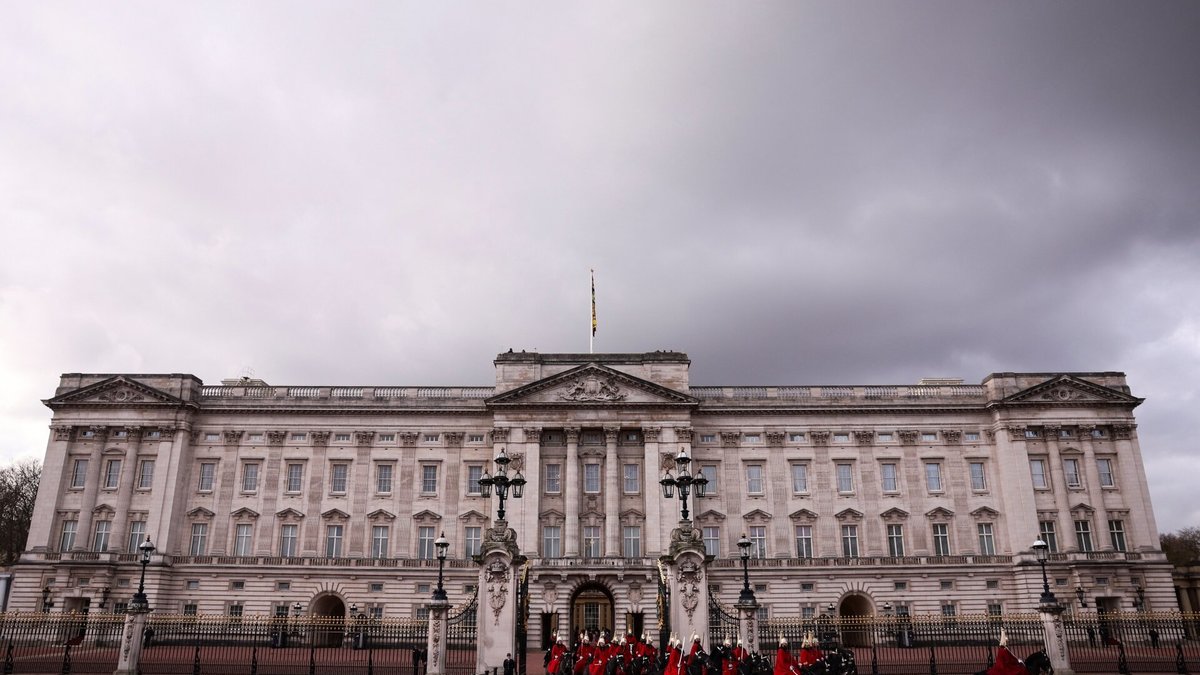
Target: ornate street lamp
<point>296,609</point>
<point>1041,550</point>
<point>439,593</point>
<point>747,595</point>
<point>1079,593</point>
<point>502,482</point>
<point>140,603</point>
<point>887,609</point>
<point>684,481</point>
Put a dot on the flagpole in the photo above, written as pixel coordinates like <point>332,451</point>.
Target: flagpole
<point>592,318</point>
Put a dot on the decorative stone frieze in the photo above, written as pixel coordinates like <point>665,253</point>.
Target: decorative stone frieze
<point>1123,432</point>
<point>952,436</point>
<point>63,432</point>
<point>908,436</point>
<point>864,437</point>
<point>651,434</point>
<point>775,439</point>
<point>572,434</point>
<point>611,434</point>
<point>409,439</point>
<point>819,437</point>
<point>233,436</point>
<point>533,434</point>
<point>277,437</point>
<point>683,434</point>
<point>454,439</point>
<point>319,437</point>
<point>368,437</point>
<point>500,435</point>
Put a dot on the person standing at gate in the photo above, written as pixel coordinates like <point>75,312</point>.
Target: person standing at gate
<point>599,657</point>
<point>557,650</point>
<point>740,655</point>
<point>510,666</point>
<point>674,656</point>
<point>784,664</point>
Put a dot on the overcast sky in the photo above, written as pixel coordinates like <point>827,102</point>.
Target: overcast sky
<point>796,193</point>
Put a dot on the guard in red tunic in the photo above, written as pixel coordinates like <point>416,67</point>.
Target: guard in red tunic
<point>729,664</point>
<point>674,656</point>
<point>556,655</point>
<point>784,664</point>
<point>810,653</point>
<point>740,654</point>
<point>645,649</point>
<point>693,654</point>
<point>599,657</point>
<point>1006,663</point>
<point>585,653</point>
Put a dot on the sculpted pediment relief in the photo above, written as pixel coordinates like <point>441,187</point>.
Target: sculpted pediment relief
<point>1069,390</point>
<point>289,514</point>
<point>115,391</point>
<point>803,515</point>
<point>592,384</point>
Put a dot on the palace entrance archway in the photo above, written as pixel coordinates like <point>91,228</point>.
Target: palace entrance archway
<point>329,613</point>
<point>855,610</point>
<point>592,608</point>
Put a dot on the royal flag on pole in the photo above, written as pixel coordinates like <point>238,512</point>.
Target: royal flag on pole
<point>593,303</point>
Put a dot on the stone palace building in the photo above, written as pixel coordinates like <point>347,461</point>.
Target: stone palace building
<point>920,498</point>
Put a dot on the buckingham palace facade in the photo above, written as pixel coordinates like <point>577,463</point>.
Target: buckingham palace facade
<point>925,497</point>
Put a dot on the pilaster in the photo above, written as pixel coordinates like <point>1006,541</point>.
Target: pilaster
<point>571,489</point>
<point>498,581</point>
<point>612,486</point>
<point>687,579</point>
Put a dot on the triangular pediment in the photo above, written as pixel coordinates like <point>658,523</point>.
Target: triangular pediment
<point>472,515</point>
<point>940,513</point>
<point>426,515</point>
<point>550,514</point>
<point>245,513</point>
<point>985,513</point>
<point>1082,508</point>
<point>803,515</point>
<point>335,514</point>
<point>381,514</point>
<point>849,514</point>
<point>633,514</point>
<point>592,385</point>
<point>757,514</point>
<point>289,513</point>
<point>200,512</point>
<point>711,515</point>
<point>894,514</point>
<point>115,391</point>
<point>1069,390</point>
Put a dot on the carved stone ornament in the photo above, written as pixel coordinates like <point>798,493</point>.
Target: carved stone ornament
<point>276,437</point>
<point>572,434</point>
<point>121,395</point>
<point>500,435</point>
<point>864,437</point>
<point>635,594</point>
<point>611,434</point>
<point>500,537</point>
<point>368,437</point>
<point>408,439</point>
<point>319,437</point>
<point>63,433</point>
<point>953,436</point>
<point>689,586</point>
<point>1061,394</point>
<point>134,434</point>
<point>775,438</point>
<point>650,434</point>
<point>1123,432</point>
<point>667,463</point>
<point>533,434</point>
<point>1085,430</point>
<point>550,595</point>
<point>819,437</point>
<point>683,434</point>
<point>990,433</point>
<point>730,439</point>
<point>99,433</point>
<point>233,436</point>
<point>516,461</point>
<point>496,578</point>
<point>435,633</point>
<point>684,539</point>
<point>908,436</point>
<point>591,389</point>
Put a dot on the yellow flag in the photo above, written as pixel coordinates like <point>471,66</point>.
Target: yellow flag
<point>593,303</point>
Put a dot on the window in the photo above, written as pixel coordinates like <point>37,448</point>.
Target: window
<point>933,476</point>
<point>995,609</point>
<point>474,473</point>
<point>800,478</point>
<point>591,478</point>
<point>992,584</point>
<point>553,478</point>
<point>978,478</point>
<point>79,473</point>
<point>432,438</point>
<point>237,585</point>
<point>379,541</point>
<point>1048,535</point>
<point>295,477</point>
<point>376,612</point>
<point>971,436</point>
<point>796,438</point>
<point>633,541</point>
<point>551,541</point>
<point>710,472</point>
<point>1066,433</point>
<point>249,477</point>
<point>112,474</point>
<point>1083,535</point>
<point>591,541</point>
<point>475,438</point>
<point>708,438</point>
<point>712,541</point>
<point>1116,533</point>
<point>387,438</point>
<point>333,541</point>
<point>941,539</point>
<point>895,537</point>
<point>189,609</point>
<point>287,540</point>
<point>146,474</point>
<point>808,587</point>
<point>949,611</point>
<point>300,437</point>
<point>752,438</point>
<point>383,478</point>
<point>137,534</point>
<point>758,541</point>
<point>1037,470</point>
<point>987,542</point>
<point>754,479</point>
<point>883,436</point>
<point>199,538</point>
<point>946,585</point>
<point>337,478</point>
<point>900,586</point>
<point>429,480</point>
<point>1071,472</point>
<point>632,482</point>
<point>1032,433</point>
<point>241,539</point>
<point>236,612</point>
<point>841,437</point>
<point>805,613</point>
<point>376,587</point>
<point>1097,433</point>
<point>804,541</point>
<point>207,471</point>
<point>100,540</point>
<point>211,436</point>
<point>473,541</point>
<point>845,478</point>
<point>890,483</point>
<point>341,438</point>
<point>1106,472</point>
<point>425,542</point>
<point>850,541</point>
<point>928,436</point>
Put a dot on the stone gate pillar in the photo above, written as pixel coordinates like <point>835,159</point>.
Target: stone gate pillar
<point>687,579</point>
<point>1056,640</point>
<point>748,625</point>
<point>131,640</point>
<point>435,642</point>
<point>497,618</point>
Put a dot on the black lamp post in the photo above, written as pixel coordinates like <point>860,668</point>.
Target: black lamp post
<point>140,603</point>
<point>747,595</point>
<point>1041,550</point>
<point>887,609</point>
<point>439,593</point>
<point>684,481</point>
<point>296,609</point>
<point>1079,593</point>
<point>502,482</point>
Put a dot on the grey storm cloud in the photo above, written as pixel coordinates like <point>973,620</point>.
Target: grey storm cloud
<point>789,192</point>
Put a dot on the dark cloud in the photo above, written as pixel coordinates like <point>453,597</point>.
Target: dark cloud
<point>792,193</point>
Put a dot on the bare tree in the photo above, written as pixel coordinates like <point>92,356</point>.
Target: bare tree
<point>18,491</point>
<point>1182,547</point>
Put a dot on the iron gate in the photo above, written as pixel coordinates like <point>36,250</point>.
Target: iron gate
<point>462,634</point>
<point>664,609</point>
<point>522,619</point>
<point>722,623</point>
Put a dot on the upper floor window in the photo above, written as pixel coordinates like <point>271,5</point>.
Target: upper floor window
<point>474,474</point>
<point>473,540</point>
<point>1071,472</point>
<point>1048,534</point>
<point>632,480</point>
<point>425,538</point>
<point>850,541</point>
<point>242,538</point>
<point>338,474</point>
<point>553,478</point>
<point>895,537</point>
<point>249,477</point>
<point>79,473</point>
<point>429,479</point>
<point>591,541</point>
<point>387,438</point>
<point>978,478</point>
<point>199,539</point>
<point>1032,433</point>
<point>1105,468</point>
<point>146,474</point>
<point>1116,533</point>
<point>933,476</point>
<point>66,541</point>
<point>800,478</point>
<point>632,541</point>
<point>137,534</point>
<point>552,541</point>
<point>333,541</point>
<point>1037,471</point>
<point>883,436</point>
<point>754,479</point>
<point>708,438</point>
<point>1097,433</point>
<point>288,534</point>
<point>432,438</point>
<point>475,438</point>
<point>752,438</point>
<point>758,541</point>
<point>300,437</point>
<point>112,474</point>
<point>1083,535</point>
<point>710,472</point>
<point>591,478</point>
<point>796,437</point>
<point>971,436</point>
<point>928,436</point>
<point>295,477</point>
<point>804,541</point>
<point>845,478</point>
<point>712,540</point>
<point>380,536</point>
<point>841,437</point>
<point>987,541</point>
<point>889,477</point>
<point>383,478</point>
<point>100,540</point>
<point>341,438</point>
<point>208,471</point>
<point>941,539</point>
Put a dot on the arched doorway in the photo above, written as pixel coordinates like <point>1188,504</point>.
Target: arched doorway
<point>592,608</point>
<point>854,612</point>
<point>329,620</point>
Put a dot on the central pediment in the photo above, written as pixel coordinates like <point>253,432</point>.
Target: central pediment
<point>592,385</point>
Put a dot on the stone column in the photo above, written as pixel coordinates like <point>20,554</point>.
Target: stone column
<point>359,529</point>
<point>1058,483</point>
<point>1102,540</point>
<point>498,580</point>
<point>651,497</point>
<point>748,625</point>
<point>435,644</point>
<point>530,530</point>
<point>228,484</point>
<point>571,489</point>
<point>117,539</point>
<point>131,641</point>
<point>83,535</point>
<point>687,579</point>
<point>612,495</point>
<point>1056,640</point>
<point>44,526</point>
